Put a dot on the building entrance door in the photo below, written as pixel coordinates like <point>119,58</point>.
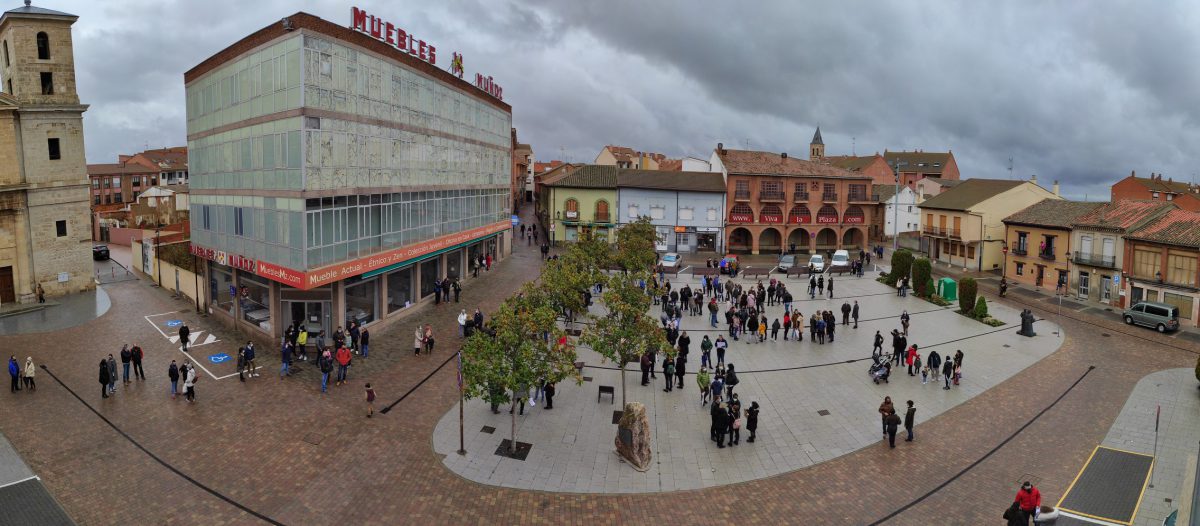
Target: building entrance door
<point>315,316</point>
<point>1084,281</point>
<point>1105,289</point>
<point>1041,274</point>
<point>8,292</point>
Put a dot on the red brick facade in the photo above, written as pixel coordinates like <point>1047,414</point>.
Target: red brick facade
<point>1154,188</point>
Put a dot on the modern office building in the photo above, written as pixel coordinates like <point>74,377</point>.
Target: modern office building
<point>338,170</point>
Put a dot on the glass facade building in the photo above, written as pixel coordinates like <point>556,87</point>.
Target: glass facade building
<point>339,170</point>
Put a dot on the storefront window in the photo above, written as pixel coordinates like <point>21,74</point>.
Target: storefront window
<point>221,288</point>
<point>1182,301</point>
<point>400,289</point>
<point>431,270</point>
<point>254,298</point>
<point>361,299</point>
<point>454,264</point>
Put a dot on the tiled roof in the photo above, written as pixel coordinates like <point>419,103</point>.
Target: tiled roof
<point>1177,227</point>
<point>1053,213</point>
<point>660,180</point>
<point>944,183</point>
<point>751,162</point>
<point>175,158</point>
<point>117,169</point>
<point>970,193</point>
<point>586,176</point>
<point>919,162</point>
<point>623,153</point>
<point>850,162</point>
<point>1159,185</point>
<point>670,165</point>
<point>34,10</point>
<point>1123,215</point>
<point>883,192</point>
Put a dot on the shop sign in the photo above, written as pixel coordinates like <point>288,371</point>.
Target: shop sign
<point>489,86</point>
<point>800,219</point>
<point>384,31</point>
<point>283,275</point>
<point>681,229</point>
<point>741,218</point>
<point>707,229</point>
<point>771,219</point>
<point>224,258</point>
<point>853,219</point>
<point>827,219</point>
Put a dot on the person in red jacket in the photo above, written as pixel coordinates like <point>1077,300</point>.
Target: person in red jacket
<point>1029,499</point>
<point>343,360</point>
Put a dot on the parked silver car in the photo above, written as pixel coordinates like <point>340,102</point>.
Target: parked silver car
<point>1162,316</point>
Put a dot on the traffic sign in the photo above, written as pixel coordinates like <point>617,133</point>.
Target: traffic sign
<point>174,323</point>
<point>218,358</point>
<point>516,220</point>
<point>1005,250</point>
<point>1117,279</point>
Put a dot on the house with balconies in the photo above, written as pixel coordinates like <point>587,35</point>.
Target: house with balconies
<point>964,226</point>
<point>1160,264</point>
<point>579,200</point>
<point>1038,242</point>
<point>1098,246</point>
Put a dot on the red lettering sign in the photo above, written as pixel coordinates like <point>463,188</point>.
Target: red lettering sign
<point>387,32</point>
<point>489,86</point>
<point>799,219</point>
<point>741,218</point>
<point>771,219</point>
<point>283,275</point>
<point>853,219</point>
<point>827,219</point>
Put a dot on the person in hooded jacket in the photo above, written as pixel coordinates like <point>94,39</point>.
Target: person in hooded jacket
<point>104,378</point>
<point>1029,500</point>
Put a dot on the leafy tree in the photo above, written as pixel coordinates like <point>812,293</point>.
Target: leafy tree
<point>967,289</point>
<point>624,333</point>
<point>635,245</point>
<point>595,250</point>
<point>522,347</point>
<point>922,276</point>
<point>566,279</point>
<point>981,311</point>
<point>902,261</point>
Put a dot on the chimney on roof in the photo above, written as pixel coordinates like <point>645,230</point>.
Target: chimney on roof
<point>783,155</point>
<point>1033,178</point>
<point>1170,179</point>
<point>720,149</point>
<point>1055,187</point>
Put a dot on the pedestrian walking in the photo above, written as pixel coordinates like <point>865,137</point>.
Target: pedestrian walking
<point>891,424</point>
<point>370,396</point>
<point>885,409</point>
<point>173,375</point>
<point>325,364</point>
<point>14,372</point>
<point>1003,286</point>
<point>752,420</point>
<point>185,336</point>
<point>104,378</point>
<point>1029,500</point>
<point>910,416</point>
<point>854,313</point>
<point>947,371</point>
<point>429,341</point>
<point>878,346</point>
<point>343,361</point>
<point>126,357</point>
<point>30,370</point>
<point>136,355</point>
<point>189,385</point>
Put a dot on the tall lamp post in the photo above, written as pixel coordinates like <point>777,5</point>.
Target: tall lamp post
<point>895,205</point>
<point>157,257</point>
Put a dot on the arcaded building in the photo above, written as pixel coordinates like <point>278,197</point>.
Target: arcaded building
<point>339,169</point>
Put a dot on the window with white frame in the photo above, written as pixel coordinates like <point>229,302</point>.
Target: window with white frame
<point>686,214</point>
<point>657,212</point>
<point>633,212</point>
<point>712,214</point>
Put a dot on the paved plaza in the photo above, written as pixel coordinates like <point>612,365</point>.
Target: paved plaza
<point>817,401</point>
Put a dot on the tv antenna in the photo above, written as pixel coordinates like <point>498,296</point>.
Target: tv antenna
<point>1010,167</point>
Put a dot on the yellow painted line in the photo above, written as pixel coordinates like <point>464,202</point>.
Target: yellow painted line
<point>1077,475</point>
<point>1125,451</point>
<point>1145,483</point>
<point>1097,517</point>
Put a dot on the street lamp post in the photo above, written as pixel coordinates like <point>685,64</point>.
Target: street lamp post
<point>895,206</point>
<point>157,257</point>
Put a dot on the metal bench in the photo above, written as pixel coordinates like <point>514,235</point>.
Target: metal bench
<point>606,390</point>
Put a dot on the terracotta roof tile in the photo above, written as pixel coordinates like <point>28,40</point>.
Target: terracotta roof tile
<point>919,162</point>
<point>1123,215</point>
<point>657,179</point>
<point>587,176</point>
<point>670,165</point>
<point>970,193</point>
<point>850,162</point>
<point>1054,213</point>
<point>1159,185</point>
<point>1177,227</point>
<point>751,162</point>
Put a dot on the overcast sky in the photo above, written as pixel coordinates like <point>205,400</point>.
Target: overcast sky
<point>1082,92</point>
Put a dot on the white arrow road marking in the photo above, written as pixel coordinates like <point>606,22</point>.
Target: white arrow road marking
<point>174,339</point>
<point>210,339</point>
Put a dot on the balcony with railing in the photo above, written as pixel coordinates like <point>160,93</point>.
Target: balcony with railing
<point>771,196</point>
<point>861,197</point>
<point>1020,251</point>
<point>1047,253</point>
<point>741,195</point>
<point>1095,260</point>
<point>829,197</point>
<point>954,233</point>
<point>800,196</point>
<point>931,230</point>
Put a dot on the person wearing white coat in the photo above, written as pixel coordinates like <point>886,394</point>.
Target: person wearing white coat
<point>462,323</point>
<point>189,385</point>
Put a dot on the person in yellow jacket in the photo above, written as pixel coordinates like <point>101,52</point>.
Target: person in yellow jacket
<point>302,344</point>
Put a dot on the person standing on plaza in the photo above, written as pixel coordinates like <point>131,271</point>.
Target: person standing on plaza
<point>30,370</point>
<point>487,262</point>
<point>429,341</point>
<point>934,362</point>
<point>816,327</point>
<point>418,340</point>
<point>721,345</point>
<point>302,344</point>
<point>854,313</point>
<point>437,292</point>
<point>731,381</point>
<point>339,338</point>
<point>1003,286</point>
<point>911,358</point>
<point>910,417</point>
<point>185,336</point>
<point>830,287</point>
<point>680,368</point>
<point>370,396</point>
<point>762,329</point>
<point>878,346</point>
<point>189,385</point>
<point>830,325</point>
<point>112,374</point>
<point>14,372</point>
<point>462,323</point>
<point>251,367</point>
<point>364,340</point>
<point>891,424</point>
<point>885,409</point>
<point>548,391</point>
<point>706,346</point>
<point>958,357</point>
<point>735,420</point>
<point>343,360</point>
<point>947,372</point>
<point>1029,499</point>
<point>720,417</point>
<point>812,285</point>
<point>845,313</point>
<point>355,333</point>
<point>241,364</point>
<point>668,368</point>
<point>173,375</point>
<point>821,285</point>
<point>457,288</point>
<point>285,359</point>
<point>647,364</point>
<point>904,321</point>
<point>103,377</point>
<point>775,331</point>
<point>126,357</point>
<point>752,420</point>
<point>325,364</point>
<point>704,382</point>
<point>136,355</point>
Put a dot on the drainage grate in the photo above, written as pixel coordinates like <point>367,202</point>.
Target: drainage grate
<point>823,412</point>
<point>488,429</point>
<point>521,453</point>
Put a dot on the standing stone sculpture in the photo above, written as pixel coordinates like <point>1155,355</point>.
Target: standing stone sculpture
<point>633,436</point>
<point>1027,320</point>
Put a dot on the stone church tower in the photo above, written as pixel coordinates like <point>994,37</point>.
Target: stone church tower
<point>45,232</point>
<point>816,148</point>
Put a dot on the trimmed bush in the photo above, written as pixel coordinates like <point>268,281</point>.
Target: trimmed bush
<point>981,311</point>
<point>902,261</point>
<point>967,290</point>
<point>922,273</point>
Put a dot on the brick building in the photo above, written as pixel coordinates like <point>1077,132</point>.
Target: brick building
<point>114,186</point>
<point>1160,263</point>
<point>1039,242</point>
<point>44,221</point>
<point>919,164</point>
<point>1154,188</point>
<point>1098,238</point>
<point>778,203</point>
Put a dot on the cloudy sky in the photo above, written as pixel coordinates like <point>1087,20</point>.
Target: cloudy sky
<point>1081,92</point>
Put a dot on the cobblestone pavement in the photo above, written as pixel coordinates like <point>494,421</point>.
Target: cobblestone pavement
<point>277,448</point>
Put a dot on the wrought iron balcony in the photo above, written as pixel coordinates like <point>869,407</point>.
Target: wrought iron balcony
<point>767,196</point>
<point>1095,260</point>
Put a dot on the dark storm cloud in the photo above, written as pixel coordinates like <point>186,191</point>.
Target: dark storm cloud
<point>1079,92</point>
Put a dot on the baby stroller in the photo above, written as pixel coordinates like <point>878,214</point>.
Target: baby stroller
<point>881,368</point>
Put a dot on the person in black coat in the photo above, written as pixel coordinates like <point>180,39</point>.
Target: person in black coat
<point>854,313</point>
<point>720,419</point>
<point>680,367</point>
<point>104,378</point>
<point>647,363</point>
<point>549,392</point>
<point>846,313</point>
<point>910,417</point>
<point>731,380</point>
<point>897,346</point>
<point>752,420</point>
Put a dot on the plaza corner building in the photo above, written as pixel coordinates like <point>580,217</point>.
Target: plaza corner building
<point>338,171</point>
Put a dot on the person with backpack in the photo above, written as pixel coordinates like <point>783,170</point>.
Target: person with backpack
<point>173,375</point>
<point>343,360</point>
<point>136,355</point>
<point>325,363</point>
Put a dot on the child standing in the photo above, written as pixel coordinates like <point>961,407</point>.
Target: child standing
<point>924,375</point>
<point>370,400</point>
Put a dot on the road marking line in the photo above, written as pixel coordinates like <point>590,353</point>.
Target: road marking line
<point>162,314</point>
<point>197,363</point>
<point>191,337</point>
<point>26,479</point>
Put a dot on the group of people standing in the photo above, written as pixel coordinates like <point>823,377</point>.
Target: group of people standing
<point>22,375</point>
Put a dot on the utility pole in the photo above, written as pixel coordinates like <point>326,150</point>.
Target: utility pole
<point>1010,166</point>
<point>895,206</point>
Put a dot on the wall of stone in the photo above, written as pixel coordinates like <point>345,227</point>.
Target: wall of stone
<point>24,67</point>
<point>53,255</point>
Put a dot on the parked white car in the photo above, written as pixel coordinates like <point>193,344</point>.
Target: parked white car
<point>671,260</point>
<point>817,263</point>
<point>841,258</point>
